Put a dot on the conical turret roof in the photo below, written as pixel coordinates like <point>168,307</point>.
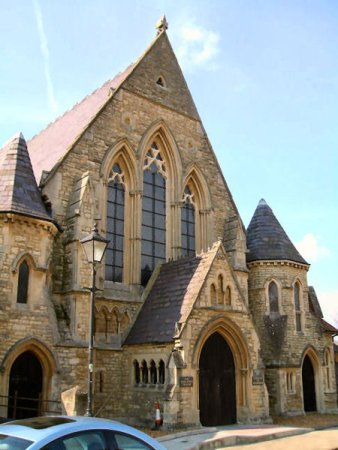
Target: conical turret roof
<point>19,192</point>
<point>267,240</point>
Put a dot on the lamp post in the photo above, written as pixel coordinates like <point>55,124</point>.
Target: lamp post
<point>94,247</point>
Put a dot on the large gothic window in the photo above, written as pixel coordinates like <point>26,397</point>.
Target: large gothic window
<point>153,250</point>
<point>188,224</point>
<point>22,295</point>
<point>115,225</point>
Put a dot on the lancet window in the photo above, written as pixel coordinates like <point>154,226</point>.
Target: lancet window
<point>188,224</point>
<point>23,279</point>
<point>115,225</point>
<point>296,294</point>
<point>153,248</point>
<point>273,297</point>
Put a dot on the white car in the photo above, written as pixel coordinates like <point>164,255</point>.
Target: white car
<point>73,433</point>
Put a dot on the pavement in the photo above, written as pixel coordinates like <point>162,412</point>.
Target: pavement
<point>217,437</point>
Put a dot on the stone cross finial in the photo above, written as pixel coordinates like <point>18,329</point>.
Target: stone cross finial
<point>162,25</point>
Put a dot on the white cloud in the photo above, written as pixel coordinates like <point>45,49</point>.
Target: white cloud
<point>45,54</point>
<point>197,46</point>
<point>310,248</point>
<point>329,304</point>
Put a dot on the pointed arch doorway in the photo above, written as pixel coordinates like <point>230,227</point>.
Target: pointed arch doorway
<point>25,386</point>
<point>217,383</point>
<point>309,386</point>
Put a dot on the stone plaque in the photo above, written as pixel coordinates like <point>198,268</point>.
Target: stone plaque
<point>258,377</point>
<point>186,381</point>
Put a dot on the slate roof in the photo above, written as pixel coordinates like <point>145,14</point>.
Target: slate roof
<point>267,240</point>
<point>19,192</point>
<point>314,303</point>
<point>171,299</point>
<point>48,147</point>
<point>328,327</point>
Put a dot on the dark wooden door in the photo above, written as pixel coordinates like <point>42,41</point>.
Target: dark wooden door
<point>217,383</point>
<point>309,388</point>
<point>25,386</point>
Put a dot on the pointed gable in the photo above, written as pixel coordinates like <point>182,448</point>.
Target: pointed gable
<point>158,77</point>
<point>267,240</point>
<point>19,192</point>
<point>158,62</point>
<point>47,148</point>
<point>171,299</point>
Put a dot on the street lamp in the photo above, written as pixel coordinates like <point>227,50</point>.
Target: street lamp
<point>94,247</point>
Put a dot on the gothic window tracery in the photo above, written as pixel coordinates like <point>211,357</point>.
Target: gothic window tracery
<point>153,246</point>
<point>115,224</point>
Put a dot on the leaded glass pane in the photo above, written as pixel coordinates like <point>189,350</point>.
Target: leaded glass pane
<point>115,230</point>
<point>188,229</point>
<point>153,222</point>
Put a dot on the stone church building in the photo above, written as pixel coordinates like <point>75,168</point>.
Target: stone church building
<point>214,322</point>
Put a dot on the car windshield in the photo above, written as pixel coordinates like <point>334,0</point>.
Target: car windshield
<point>13,443</point>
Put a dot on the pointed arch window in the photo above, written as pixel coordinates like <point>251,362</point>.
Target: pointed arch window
<point>137,372</point>
<point>220,290</point>
<point>161,372</point>
<point>273,297</point>
<point>228,296</point>
<point>213,295</point>
<point>153,372</point>
<point>153,247</point>
<point>23,280</point>
<point>115,225</point>
<point>188,224</point>
<point>296,294</point>
<point>144,372</point>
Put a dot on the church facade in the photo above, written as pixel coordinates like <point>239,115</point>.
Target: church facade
<point>215,323</point>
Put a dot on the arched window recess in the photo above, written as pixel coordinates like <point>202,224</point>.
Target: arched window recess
<point>196,204</point>
<point>297,305</point>
<point>115,224</point>
<point>154,213</point>
<point>23,282</point>
<point>188,224</point>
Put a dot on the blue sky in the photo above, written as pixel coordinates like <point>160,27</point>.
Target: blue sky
<point>263,74</point>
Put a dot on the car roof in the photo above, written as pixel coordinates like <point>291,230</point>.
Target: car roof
<point>52,427</point>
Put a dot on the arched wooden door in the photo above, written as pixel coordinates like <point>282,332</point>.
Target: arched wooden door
<point>217,383</point>
<point>25,386</point>
<point>309,387</point>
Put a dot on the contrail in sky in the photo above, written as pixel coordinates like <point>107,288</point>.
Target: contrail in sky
<point>45,54</point>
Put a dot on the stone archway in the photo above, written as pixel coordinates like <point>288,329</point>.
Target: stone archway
<point>25,386</point>
<point>309,385</point>
<point>24,353</point>
<point>217,383</point>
